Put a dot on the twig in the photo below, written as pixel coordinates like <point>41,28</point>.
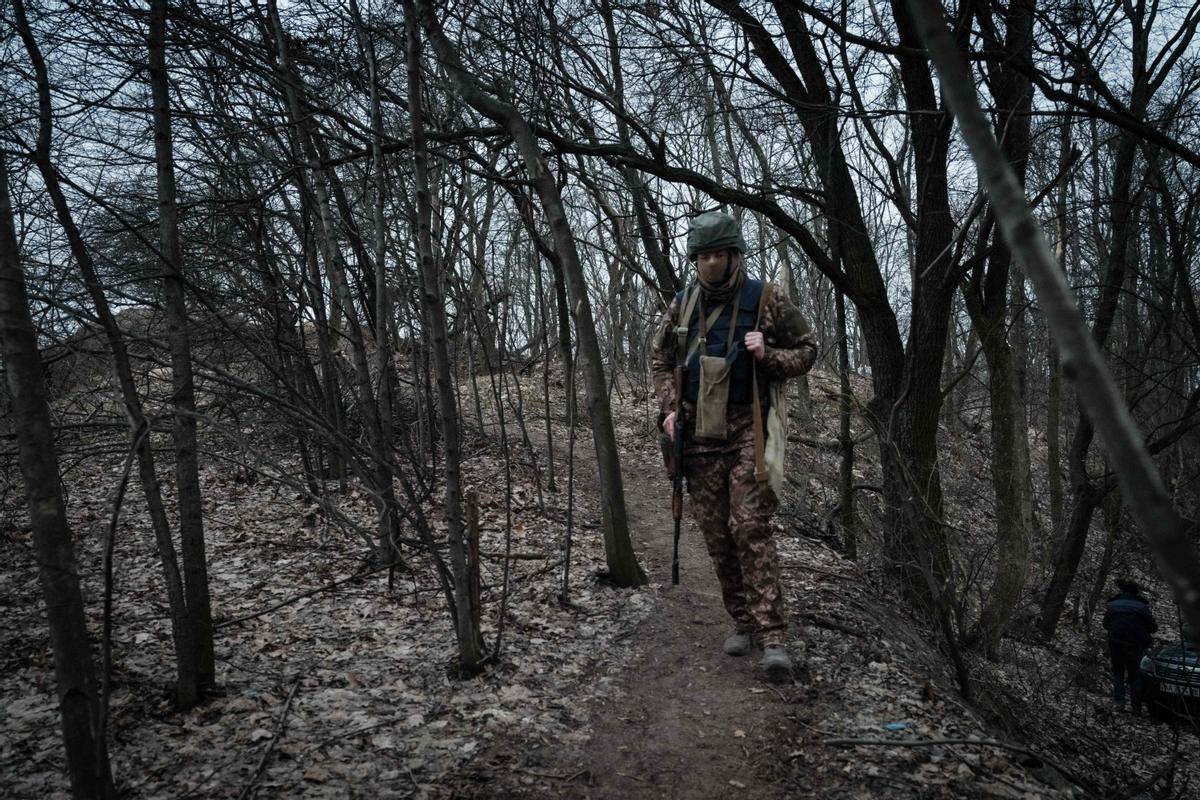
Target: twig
<point>816,571</point>
<point>549,775</point>
<point>262,762</point>
<point>363,574</point>
<point>1167,533</point>
<point>106,637</point>
<point>348,734</point>
<point>1015,748</point>
<point>1140,788</point>
<point>828,444</point>
<point>513,556</point>
<point>201,784</point>
<point>829,624</point>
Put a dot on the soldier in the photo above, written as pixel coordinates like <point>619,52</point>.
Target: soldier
<point>732,343</point>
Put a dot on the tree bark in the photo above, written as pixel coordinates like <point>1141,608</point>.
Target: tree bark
<point>1121,221</point>
<point>295,96</point>
<point>987,298</point>
<point>1054,403</point>
<point>639,195</point>
<point>849,516</point>
<point>384,366</point>
<point>74,670</point>
<point>183,397</point>
<point>1086,496</point>
<point>186,690</point>
<point>470,641</point>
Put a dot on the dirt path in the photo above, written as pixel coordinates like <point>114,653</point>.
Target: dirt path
<point>683,720</point>
<point>686,721</point>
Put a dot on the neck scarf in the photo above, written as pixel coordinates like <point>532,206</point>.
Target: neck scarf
<point>721,292</point>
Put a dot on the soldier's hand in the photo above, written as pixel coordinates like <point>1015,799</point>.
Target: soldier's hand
<point>755,344</point>
<point>669,426</point>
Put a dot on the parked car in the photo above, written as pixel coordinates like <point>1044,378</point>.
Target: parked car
<point>1172,677</point>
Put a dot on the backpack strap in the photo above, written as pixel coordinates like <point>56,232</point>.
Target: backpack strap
<point>687,301</point>
<point>760,460</point>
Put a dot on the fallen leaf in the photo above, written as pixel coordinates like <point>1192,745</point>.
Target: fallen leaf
<point>316,774</point>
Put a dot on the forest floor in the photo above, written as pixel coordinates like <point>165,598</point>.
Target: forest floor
<point>684,720</point>
<point>334,686</point>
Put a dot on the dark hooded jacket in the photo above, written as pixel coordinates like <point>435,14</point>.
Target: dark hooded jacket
<point>1128,620</point>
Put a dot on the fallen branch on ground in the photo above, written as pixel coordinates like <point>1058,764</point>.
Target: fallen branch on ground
<point>279,726</point>
<point>817,571</point>
<point>514,556</point>
<point>834,445</point>
<point>1015,748</point>
<point>830,624</point>
<point>363,574</point>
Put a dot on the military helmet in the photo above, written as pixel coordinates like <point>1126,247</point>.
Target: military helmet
<point>714,230</point>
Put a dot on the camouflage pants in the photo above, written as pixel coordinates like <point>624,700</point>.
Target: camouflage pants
<point>734,512</point>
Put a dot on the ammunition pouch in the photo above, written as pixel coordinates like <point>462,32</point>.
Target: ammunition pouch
<point>712,400</point>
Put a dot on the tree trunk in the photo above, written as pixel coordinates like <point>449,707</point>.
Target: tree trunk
<point>1054,400</point>
<point>668,281</point>
<point>295,95</point>
<point>988,304</point>
<point>1086,495</point>
<point>622,561</point>
<point>849,517</point>
<point>74,670</point>
<point>906,382</point>
<point>1112,525</point>
<point>183,398</point>
<point>186,691</point>
<point>1010,481</point>
<point>908,429</point>
<point>470,641</point>
<point>384,366</point>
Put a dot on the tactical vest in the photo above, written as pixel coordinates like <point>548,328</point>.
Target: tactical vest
<point>740,390</point>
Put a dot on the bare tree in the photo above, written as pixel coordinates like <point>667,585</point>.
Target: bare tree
<point>622,561</point>
<point>466,612</point>
<point>987,299</point>
<point>187,684</point>
<point>74,670</point>
<point>1165,531</point>
<point>187,468</point>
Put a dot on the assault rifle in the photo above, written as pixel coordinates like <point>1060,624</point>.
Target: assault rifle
<point>681,346</point>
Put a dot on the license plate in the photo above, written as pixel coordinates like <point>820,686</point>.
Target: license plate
<point>1184,691</point>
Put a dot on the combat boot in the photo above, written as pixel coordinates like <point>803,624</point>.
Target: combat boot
<point>737,644</point>
<point>777,663</point>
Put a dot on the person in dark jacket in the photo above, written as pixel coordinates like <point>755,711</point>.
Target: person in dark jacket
<point>1129,623</point>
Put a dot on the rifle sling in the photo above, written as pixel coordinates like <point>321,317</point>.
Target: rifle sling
<point>760,460</point>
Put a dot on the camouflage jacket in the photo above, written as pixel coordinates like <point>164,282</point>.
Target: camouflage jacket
<point>790,351</point>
